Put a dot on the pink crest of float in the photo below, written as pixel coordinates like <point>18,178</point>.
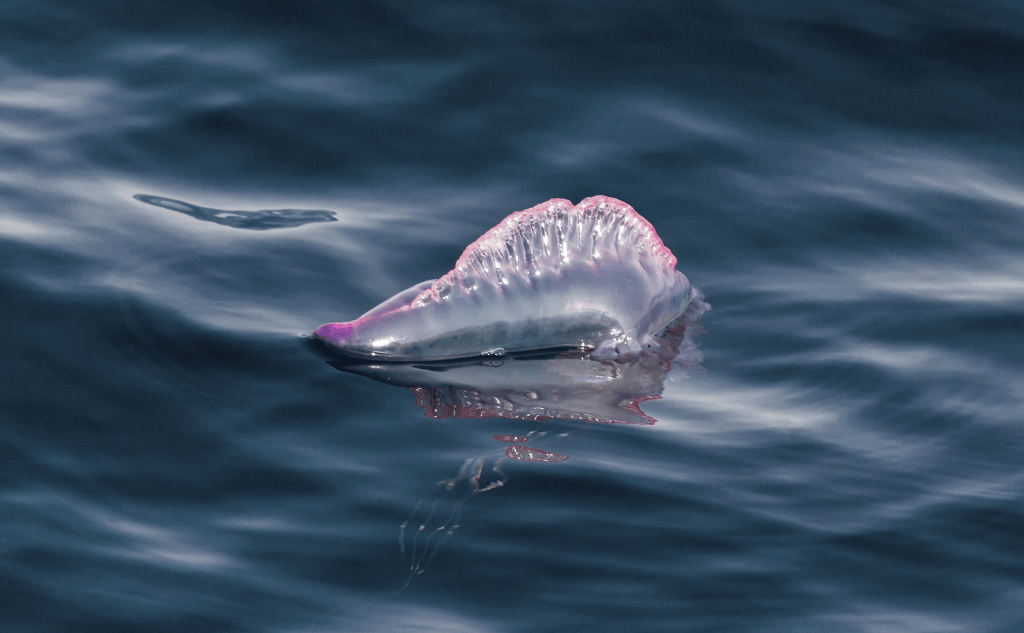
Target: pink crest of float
<point>503,244</point>
<point>594,277</point>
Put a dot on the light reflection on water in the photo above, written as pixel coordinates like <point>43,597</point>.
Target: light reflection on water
<point>844,187</point>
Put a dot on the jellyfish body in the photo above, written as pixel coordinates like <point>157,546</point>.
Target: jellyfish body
<point>594,277</point>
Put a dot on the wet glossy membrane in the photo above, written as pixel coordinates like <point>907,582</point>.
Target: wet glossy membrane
<point>594,276</point>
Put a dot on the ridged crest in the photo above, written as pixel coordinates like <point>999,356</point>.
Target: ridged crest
<point>594,276</point>
<point>550,236</point>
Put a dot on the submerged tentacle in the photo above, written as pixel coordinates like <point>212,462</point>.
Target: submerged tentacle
<point>447,503</point>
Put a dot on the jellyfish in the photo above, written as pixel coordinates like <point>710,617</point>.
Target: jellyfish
<point>559,312</point>
<point>593,277</point>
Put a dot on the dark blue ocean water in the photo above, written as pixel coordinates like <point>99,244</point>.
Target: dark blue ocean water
<point>843,180</point>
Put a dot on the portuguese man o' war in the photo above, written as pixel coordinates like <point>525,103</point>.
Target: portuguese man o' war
<point>559,312</point>
<point>593,277</point>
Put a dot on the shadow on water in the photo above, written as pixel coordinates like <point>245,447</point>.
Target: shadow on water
<point>262,220</point>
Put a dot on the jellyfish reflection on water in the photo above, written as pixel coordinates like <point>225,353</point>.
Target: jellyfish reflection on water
<point>560,311</point>
<point>532,387</point>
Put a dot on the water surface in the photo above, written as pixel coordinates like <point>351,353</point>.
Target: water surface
<point>187,190</point>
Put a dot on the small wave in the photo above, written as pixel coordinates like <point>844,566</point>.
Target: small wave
<point>254,220</point>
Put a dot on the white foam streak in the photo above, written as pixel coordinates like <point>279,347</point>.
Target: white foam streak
<point>711,407</point>
<point>992,286</point>
<point>119,536</point>
<point>996,281</point>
